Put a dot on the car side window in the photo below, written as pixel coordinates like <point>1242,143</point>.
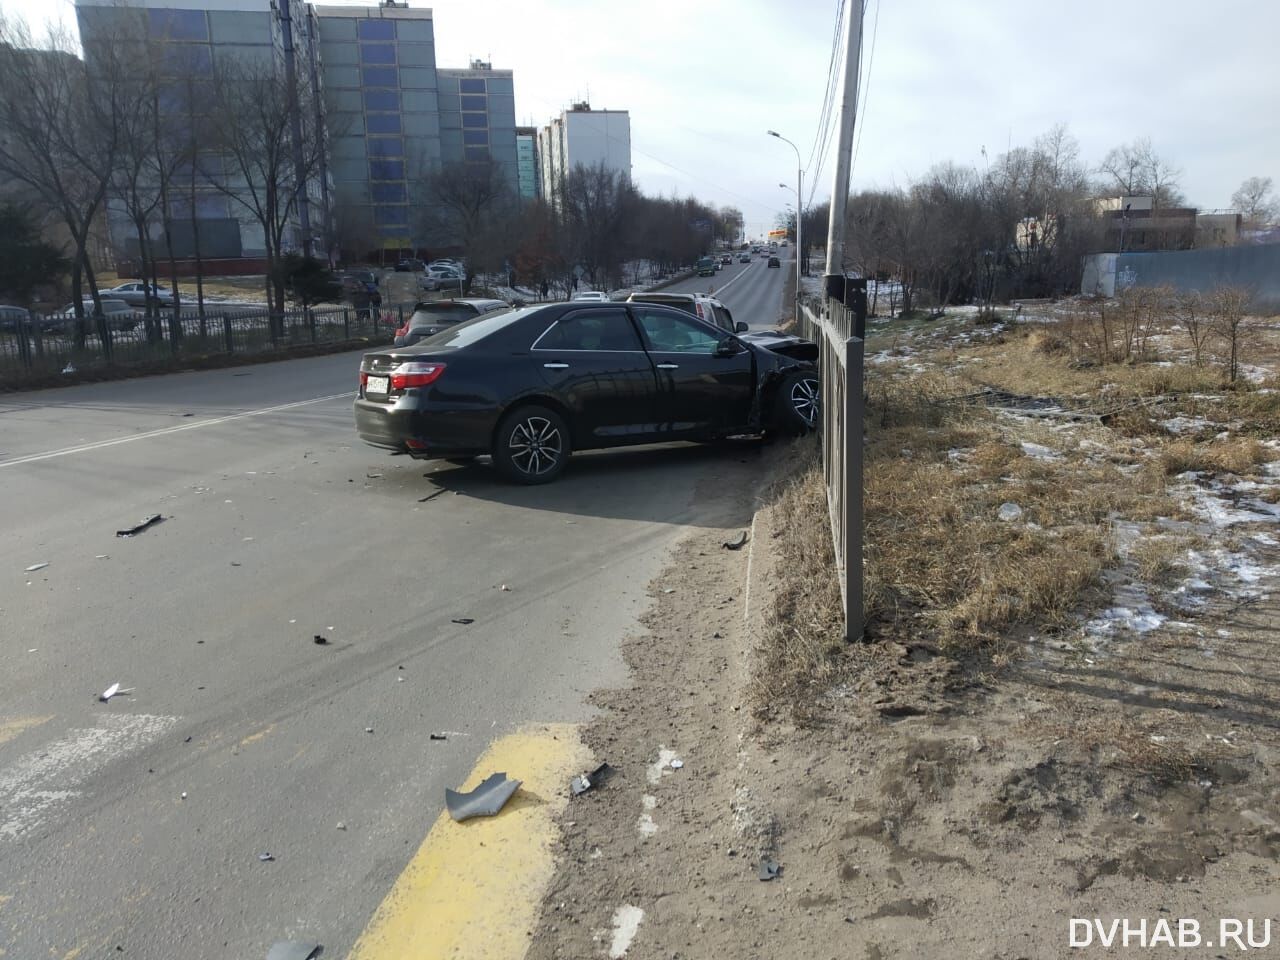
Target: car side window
<point>670,333</point>
<point>724,319</point>
<point>591,330</point>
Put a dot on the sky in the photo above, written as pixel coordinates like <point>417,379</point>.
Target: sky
<point>940,80</point>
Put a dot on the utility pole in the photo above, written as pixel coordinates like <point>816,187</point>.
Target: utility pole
<point>844,149</point>
<point>295,124</point>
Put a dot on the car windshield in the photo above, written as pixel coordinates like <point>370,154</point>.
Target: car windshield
<point>434,313</point>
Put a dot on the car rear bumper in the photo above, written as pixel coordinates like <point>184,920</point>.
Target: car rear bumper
<point>405,426</point>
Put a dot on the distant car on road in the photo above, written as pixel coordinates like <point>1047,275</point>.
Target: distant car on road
<point>706,267</point>
<point>593,296</point>
<point>744,258</point>
<point>775,262</point>
<point>119,315</point>
<point>530,386</point>
<point>410,265</point>
<point>431,316</point>
<point>726,258</point>
<point>137,292</point>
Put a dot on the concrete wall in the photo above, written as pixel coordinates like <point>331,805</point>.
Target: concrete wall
<point>1256,268</point>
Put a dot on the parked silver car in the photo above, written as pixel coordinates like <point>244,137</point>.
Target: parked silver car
<point>136,293</point>
<point>119,315</point>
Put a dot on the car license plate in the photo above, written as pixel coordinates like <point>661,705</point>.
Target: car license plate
<point>377,384</point>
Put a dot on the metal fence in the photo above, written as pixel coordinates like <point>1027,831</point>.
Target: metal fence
<point>836,330</point>
<point>45,344</point>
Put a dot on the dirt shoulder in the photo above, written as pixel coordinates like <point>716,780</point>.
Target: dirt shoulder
<point>999,759</point>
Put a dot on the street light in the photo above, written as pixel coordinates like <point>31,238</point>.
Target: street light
<point>799,214</point>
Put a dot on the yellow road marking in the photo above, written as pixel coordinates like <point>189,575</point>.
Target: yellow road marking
<point>473,888</point>
<point>11,728</point>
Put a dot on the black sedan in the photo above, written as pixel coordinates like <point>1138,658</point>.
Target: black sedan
<point>532,385</point>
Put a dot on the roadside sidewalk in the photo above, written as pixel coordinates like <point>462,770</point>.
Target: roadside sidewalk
<point>919,805</point>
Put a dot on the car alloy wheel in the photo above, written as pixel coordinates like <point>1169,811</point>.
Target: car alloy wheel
<point>535,446</point>
<point>806,399</point>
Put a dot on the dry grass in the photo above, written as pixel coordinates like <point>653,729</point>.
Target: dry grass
<point>1238,455</point>
<point>1161,560</point>
<point>939,557</point>
<point>805,625</point>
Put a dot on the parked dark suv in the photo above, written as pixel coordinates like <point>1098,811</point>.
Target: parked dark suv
<point>431,316</point>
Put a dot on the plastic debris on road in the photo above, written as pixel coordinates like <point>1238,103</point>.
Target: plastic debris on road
<point>431,496</point>
<point>438,736</point>
<point>150,521</point>
<point>36,566</point>
<point>110,692</point>
<point>294,950</point>
<point>319,640</point>
<point>484,801</point>
<point>735,544</point>
<point>265,857</point>
<point>1009,512</point>
<point>588,781</point>
<point>768,870</point>
<point>463,620</point>
<point>677,764</point>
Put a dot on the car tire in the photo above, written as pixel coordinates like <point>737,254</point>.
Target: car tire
<point>531,445</point>
<point>798,404</point>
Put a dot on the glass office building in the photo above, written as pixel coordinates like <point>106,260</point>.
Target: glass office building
<point>387,115</point>
<point>478,118</point>
<point>380,80</point>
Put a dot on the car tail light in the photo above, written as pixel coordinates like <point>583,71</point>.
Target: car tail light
<point>415,374</point>
<point>401,331</point>
<point>364,379</point>
<point>702,313</point>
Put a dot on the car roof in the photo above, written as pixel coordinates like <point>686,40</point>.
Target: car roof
<point>658,297</point>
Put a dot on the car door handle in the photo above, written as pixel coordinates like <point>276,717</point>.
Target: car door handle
<point>556,366</point>
<point>667,366</point>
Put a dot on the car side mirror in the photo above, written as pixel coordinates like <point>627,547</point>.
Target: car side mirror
<point>728,347</point>
<point>740,327</point>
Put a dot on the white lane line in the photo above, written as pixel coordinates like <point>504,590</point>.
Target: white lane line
<point>717,293</point>
<point>36,785</point>
<point>751,552</point>
<point>100,444</point>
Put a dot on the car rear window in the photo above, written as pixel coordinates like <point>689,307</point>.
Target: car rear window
<point>688,306</point>
<point>433,313</point>
<point>471,331</point>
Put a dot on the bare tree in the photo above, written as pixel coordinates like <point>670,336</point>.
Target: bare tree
<point>1135,169</point>
<point>251,122</point>
<point>1228,320</point>
<point>60,137</point>
<point>467,204</point>
<point>1255,202</point>
<point>1193,316</point>
<point>597,202</point>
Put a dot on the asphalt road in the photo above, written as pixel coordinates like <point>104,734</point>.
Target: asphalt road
<point>752,291</point>
<point>140,822</point>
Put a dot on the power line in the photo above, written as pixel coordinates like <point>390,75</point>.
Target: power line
<point>828,99</point>
<point>816,178</point>
<point>866,89</point>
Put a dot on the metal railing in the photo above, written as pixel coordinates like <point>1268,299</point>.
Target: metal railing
<point>48,344</point>
<point>840,357</point>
